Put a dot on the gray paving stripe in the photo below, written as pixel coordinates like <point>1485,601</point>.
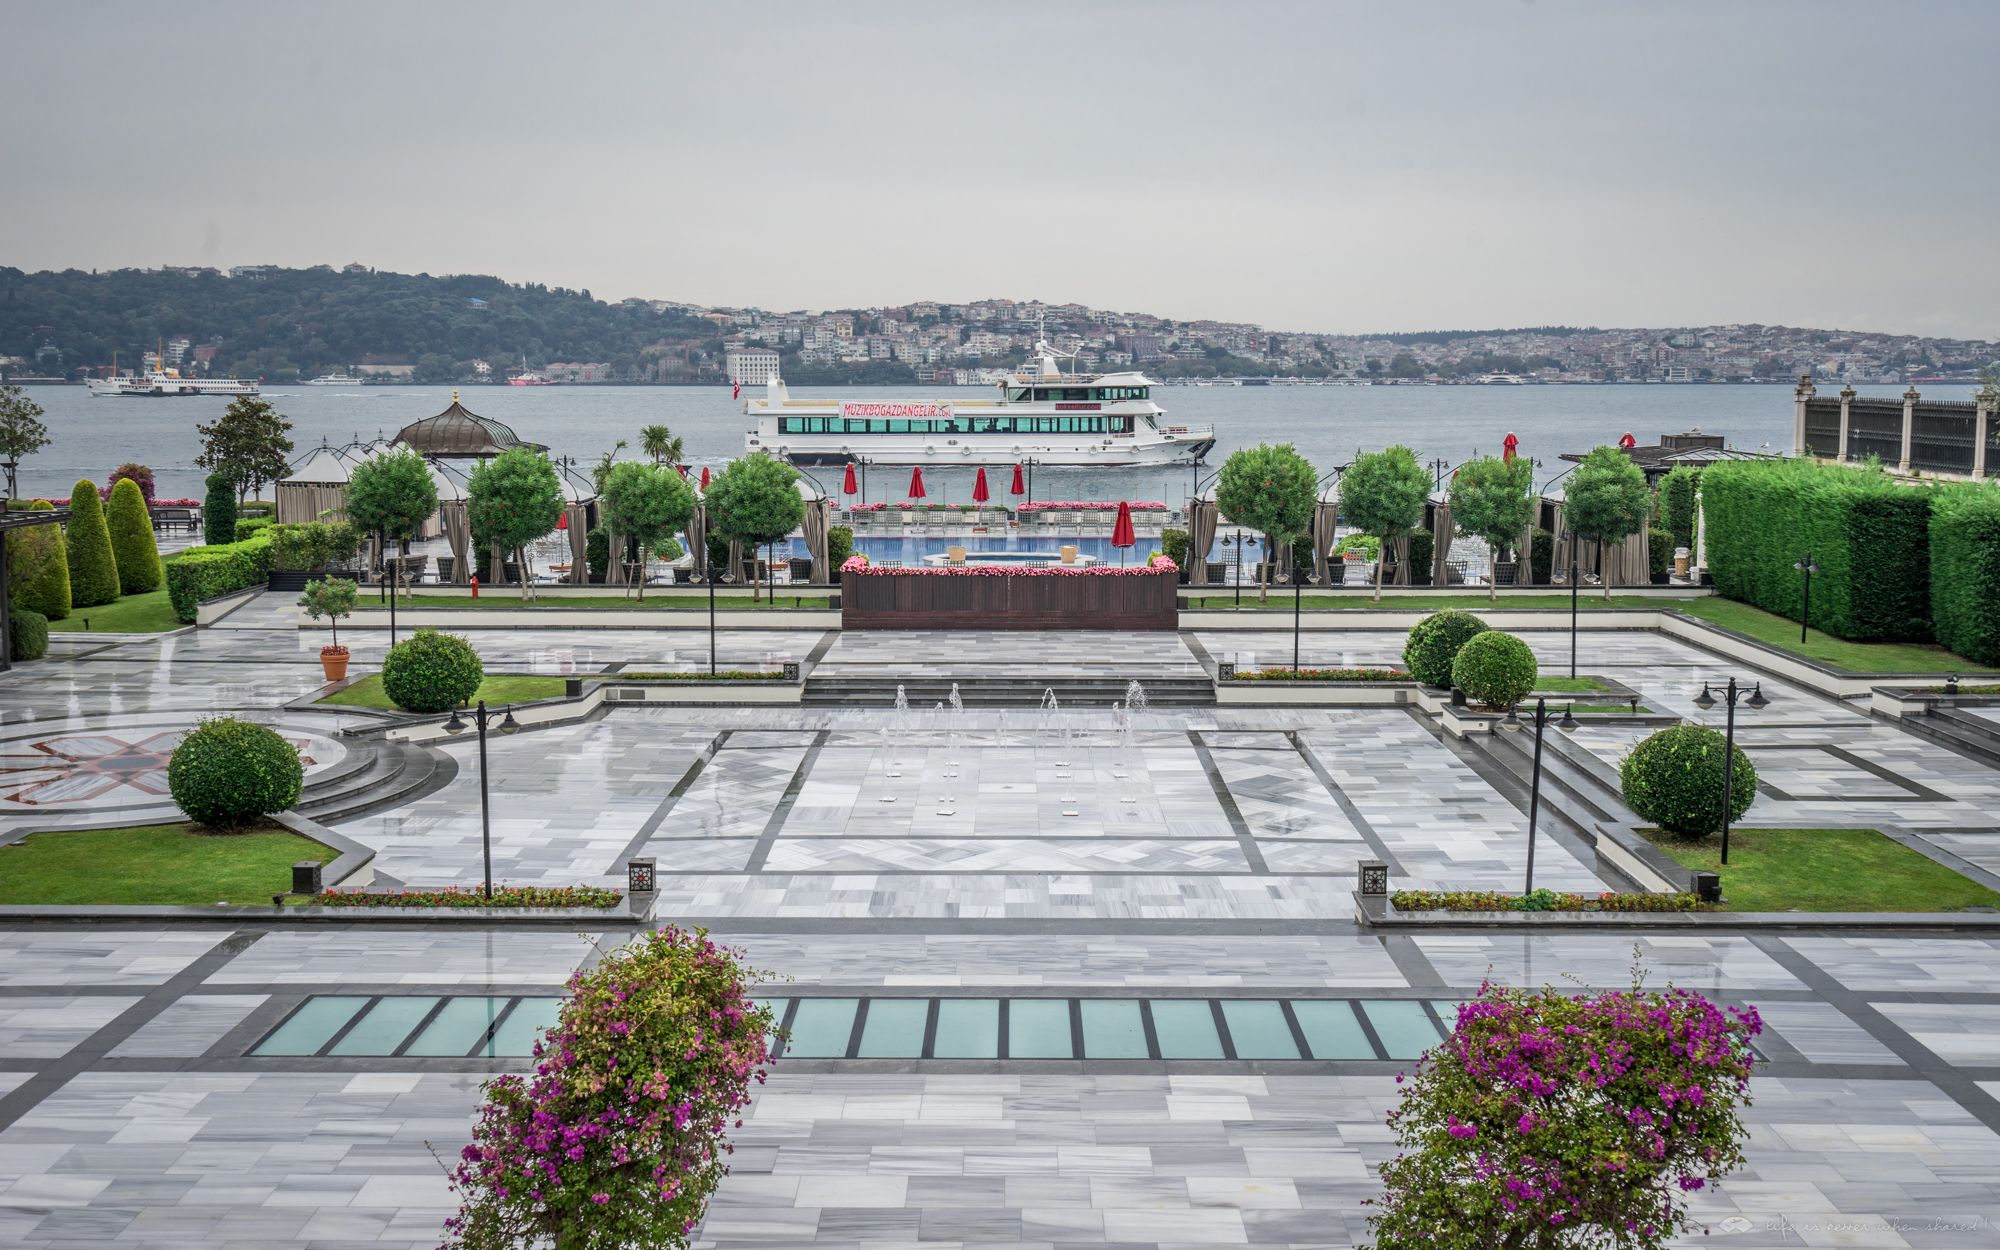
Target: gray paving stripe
<point>761,853</point>
<point>1227,802</point>
<point>674,796</point>
<point>92,1051</point>
<point>1347,806</point>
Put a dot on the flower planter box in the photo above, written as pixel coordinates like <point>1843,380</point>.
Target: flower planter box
<point>998,598</point>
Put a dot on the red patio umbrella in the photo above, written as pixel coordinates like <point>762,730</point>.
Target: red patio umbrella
<point>916,481</point>
<point>1510,444</point>
<point>1019,488</point>
<point>704,477</point>
<point>848,487</point>
<point>683,468</point>
<point>979,491</point>
<point>562,520</point>
<point>1121,530</point>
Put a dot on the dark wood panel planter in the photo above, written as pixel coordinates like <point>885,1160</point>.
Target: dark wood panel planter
<point>1085,601</point>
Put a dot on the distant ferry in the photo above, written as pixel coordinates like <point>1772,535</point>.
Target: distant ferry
<point>168,382</point>
<point>1502,379</point>
<point>1044,414</point>
<point>335,379</point>
<point>528,377</point>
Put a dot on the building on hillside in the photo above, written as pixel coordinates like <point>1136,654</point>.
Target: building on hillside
<point>752,366</point>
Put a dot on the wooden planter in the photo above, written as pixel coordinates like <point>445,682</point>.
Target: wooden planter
<point>912,600</point>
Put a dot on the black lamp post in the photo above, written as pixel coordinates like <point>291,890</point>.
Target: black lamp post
<point>389,568</point>
<point>1298,583</point>
<point>454,726</point>
<point>1807,567</point>
<point>1513,725</point>
<point>1572,606</point>
<point>1236,543</point>
<point>710,579</point>
<point>1752,698</point>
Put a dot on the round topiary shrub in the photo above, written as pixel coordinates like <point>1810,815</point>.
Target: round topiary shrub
<point>1494,669</point>
<point>431,672</point>
<point>1434,644</point>
<point>1674,780</point>
<point>228,773</point>
<point>27,634</point>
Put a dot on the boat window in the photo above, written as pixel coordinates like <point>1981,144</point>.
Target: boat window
<point>1018,394</point>
<point>899,427</point>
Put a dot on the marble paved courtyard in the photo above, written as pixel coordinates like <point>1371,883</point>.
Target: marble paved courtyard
<point>1051,875</point>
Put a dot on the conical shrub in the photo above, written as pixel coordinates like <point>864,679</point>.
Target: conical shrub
<point>218,510</point>
<point>132,544</point>
<point>93,570</point>
<point>38,568</point>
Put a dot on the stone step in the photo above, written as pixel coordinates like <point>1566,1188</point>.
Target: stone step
<point>1961,731</point>
<point>394,772</point>
<point>923,692</point>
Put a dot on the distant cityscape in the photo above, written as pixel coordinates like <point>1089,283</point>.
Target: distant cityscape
<point>288,325</point>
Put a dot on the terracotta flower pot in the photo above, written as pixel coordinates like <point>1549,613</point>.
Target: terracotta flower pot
<point>333,662</point>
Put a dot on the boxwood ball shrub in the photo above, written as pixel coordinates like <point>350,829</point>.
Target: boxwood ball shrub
<point>431,672</point>
<point>1494,669</point>
<point>619,1137</point>
<point>27,634</point>
<point>228,773</point>
<point>1434,642</point>
<point>1674,780</point>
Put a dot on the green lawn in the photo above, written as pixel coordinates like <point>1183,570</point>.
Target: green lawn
<point>1607,709</point>
<point>1569,685</point>
<point>150,613</point>
<point>1358,598</point>
<point>156,864</point>
<point>1826,870</point>
<point>1860,657</point>
<point>497,690</point>
<point>505,599</point>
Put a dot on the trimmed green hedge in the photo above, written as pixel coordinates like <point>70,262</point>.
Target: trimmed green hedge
<point>27,634</point>
<point>93,569</point>
<point>38,567</point>
<point>132,545</point>
<point>249,525</point>
<point>1965,571</point>
<point>1674,779</point>
<point>1869,535</point>
<point>218,511</point>
<point>227,773</point>
<point>201,573</point>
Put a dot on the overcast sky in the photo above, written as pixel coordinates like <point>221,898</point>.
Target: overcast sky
<point>1308,166</point>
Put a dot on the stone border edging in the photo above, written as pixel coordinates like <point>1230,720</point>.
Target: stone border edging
<point>1376,912</point>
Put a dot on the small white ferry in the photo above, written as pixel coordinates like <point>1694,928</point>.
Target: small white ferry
<point>1042,414</point>
<point>167,382</point>
<point>335,379</point>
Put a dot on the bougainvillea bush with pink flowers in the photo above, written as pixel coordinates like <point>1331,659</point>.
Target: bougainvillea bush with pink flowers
<point>1546,1120</point>
<point>618,1139</point>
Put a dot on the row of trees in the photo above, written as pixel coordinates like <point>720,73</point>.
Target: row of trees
<point>1274,490</point>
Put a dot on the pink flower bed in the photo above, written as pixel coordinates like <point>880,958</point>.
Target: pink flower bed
<point>1082,505</point>
<point>1159,564</point>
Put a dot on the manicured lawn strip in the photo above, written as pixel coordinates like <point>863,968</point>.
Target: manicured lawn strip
<point>155,864</point>
<point>503,599</point>
<point>1608,709</point>
<point>1826,870</point>
<point>722,674</point>
<point>1859,657</point>
<point>496,690</point>
<point>150,613</point>
<point>1569,685</point>
<point>1359,599</point>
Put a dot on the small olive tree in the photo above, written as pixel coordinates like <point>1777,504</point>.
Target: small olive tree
<point>755,500</point>
<point>21,431</point>
<point>1272,490</point>
<point>393,495</point>
<point>512,500</point>
<point>1490,500</point>
<point>1607,500</point>
<point>647,503</point>
<point>1383,494</point>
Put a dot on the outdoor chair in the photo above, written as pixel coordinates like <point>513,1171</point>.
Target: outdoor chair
<point>446,566</point>
<point>954,555</point>
<point>801,569</point>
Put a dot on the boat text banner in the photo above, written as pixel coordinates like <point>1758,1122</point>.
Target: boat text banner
<point>918,411</point>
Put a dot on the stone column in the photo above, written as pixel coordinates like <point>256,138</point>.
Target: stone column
<point>1910,398</point>
<point>1800,394</point>
<point>1846,407</point>
<point>1981,424</point>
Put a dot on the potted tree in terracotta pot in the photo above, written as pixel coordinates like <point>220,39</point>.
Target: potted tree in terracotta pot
<point>333,598</point>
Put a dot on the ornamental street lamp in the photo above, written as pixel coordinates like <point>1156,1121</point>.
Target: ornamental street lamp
<point>1513,725</point>
<point>709,569</point>
<point>455,726</point>
<point>1752,698</point>
<point>1807,567</point>
<point>1236,543</point>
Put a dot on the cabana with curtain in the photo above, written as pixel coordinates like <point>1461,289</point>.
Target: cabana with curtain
<point>1325,531</point>
<point>1201,516</point>
<point>1440,525</point>
<point>316,487</point>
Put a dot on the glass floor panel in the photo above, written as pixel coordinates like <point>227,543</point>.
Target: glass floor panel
<point>967,1028</point>
<point>1405,1030</point>
<point>1038,1028</point>
<point>1331,1029</point>
<point>384,1026</point>
<point>1259,1030</point>
<point>777,1006</point>
<point>1447,1012</point>
<point>455,1030</point>
<point>894,1028</point>
<point>1186,1029</point>
<point>1112,1029</point>
<point>821,1028</point>
<point>308,1028</point>
<point>524,1025</point>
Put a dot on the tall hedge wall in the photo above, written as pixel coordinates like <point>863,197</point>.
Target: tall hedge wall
<point>1965,571</point>
<point>201,573</point>
<point>1869,535</point>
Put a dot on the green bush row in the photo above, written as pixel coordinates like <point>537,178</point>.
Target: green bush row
<point>201,573</point>
<point>311,545</point>
<point>1869,535</point>
<point>249,525</point>
<point>1965,571</point>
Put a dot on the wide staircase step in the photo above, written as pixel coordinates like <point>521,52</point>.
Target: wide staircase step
<point>1074,691</point>
<point>1960,730</point>
<point>377,775</point>
<point>1577,791</point>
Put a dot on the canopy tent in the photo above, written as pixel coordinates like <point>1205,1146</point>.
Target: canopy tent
<point>460,432</point>
<point>316,487</point>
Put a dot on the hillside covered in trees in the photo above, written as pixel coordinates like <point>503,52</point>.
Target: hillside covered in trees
<point>284,323</point>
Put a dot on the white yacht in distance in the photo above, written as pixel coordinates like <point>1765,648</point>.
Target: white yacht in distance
<point>168,382</point>
<point>1045,414</point>
<point>335,379</point>
<point>1502,379</point>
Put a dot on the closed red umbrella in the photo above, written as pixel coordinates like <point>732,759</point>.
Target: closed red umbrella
<point>683,468</point>
<point>1019,488</point>
<point>704,477</point>
<point>1121,530</point>
<point>916,481</point>
<point>848,487</point>
<point>562,520</point>
<point>1511,445</point>
<point>979,492</point>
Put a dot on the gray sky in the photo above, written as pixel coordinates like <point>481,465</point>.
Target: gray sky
<point>1325,166</point>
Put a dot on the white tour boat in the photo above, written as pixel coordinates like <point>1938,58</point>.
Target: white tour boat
<point>335,379</point>
<point>165,382</point>
<point>1044,414</point>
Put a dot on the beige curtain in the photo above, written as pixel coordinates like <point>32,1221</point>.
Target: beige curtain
<point>1325,530</point>
<point>697,532</point>
<point>1524,565</point>
<point>458,532</point>
<point>735,569</point>
<point>1399,551</point>
<point>815,527</point>
<point>299,502</point>
<point>1201,533</point>
<point>1441,536</point>
<point>579,543</point>
<point>1629,563</point>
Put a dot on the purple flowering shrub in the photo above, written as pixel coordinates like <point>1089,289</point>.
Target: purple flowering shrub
<point>1546,1120</point>
<point>618,1139</point>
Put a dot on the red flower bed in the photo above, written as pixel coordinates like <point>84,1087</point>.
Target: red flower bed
<point>1160,564</point>
<point>1084,505</point>
<point>475,896</point>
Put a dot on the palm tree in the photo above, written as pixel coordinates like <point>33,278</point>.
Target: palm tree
<point>659,442</point>
<point>602,469</point>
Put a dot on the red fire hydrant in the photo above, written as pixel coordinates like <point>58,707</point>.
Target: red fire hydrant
<point>475,585</point>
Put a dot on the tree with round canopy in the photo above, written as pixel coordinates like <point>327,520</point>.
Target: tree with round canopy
<point>1382,494</point>
<point>755,500</point>
<point>392,494</point>
<point>1273,490</point>
<point>512,500</point>
<point>647,503</point>
<point>1607,500</point>
<point>1491,501</point>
